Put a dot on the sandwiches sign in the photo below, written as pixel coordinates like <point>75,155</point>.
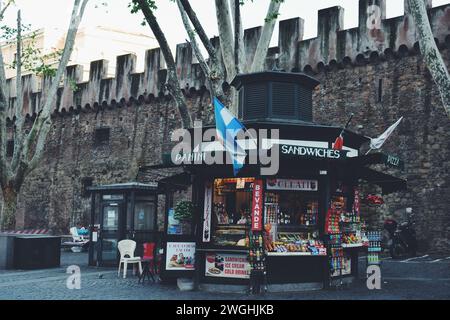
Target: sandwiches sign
<point>312,152</point>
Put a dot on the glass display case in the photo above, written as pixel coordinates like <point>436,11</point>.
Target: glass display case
<point>232,201</point>
<point>291,224</point>
<point>231,235</point>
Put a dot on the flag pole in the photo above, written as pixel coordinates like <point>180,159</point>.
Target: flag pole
<point>348,123</point>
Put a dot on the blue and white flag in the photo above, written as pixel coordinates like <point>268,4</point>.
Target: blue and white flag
<point>228,127</point>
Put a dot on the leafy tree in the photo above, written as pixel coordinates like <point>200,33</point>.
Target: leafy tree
<point>28,145</point>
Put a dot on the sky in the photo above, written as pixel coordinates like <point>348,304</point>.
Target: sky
<point>56,13</point>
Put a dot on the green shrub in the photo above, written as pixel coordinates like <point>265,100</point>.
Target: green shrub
<point>184,210</point>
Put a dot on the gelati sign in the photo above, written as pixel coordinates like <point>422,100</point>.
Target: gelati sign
<point>257,206</point>
<point>292,184</point>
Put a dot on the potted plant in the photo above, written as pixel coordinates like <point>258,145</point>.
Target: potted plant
<point>184,211</point>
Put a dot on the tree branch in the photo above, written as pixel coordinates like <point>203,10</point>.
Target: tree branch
<point>193,40</point>
<point>5,171</point>
<point>41,127</point>
<point>2,11</point>
<point>430,52</point>
<point>226,36</point>
<point>264,41</point>
<point>213,75</point>
<point>18,124</point>
<point>239,47</point>
<point>216,73</point>
<point>199,29</point>
<point>173,83</point>
<point>19,96</point>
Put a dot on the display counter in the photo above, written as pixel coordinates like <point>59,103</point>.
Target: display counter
<point>298,270</point>
<point>225,270</point>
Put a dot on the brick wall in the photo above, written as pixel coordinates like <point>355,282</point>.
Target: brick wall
<point>377,75</point>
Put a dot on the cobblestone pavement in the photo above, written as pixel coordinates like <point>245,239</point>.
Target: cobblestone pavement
<point>426,277</point>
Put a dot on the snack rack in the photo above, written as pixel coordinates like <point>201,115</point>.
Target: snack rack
<point>271,208</point>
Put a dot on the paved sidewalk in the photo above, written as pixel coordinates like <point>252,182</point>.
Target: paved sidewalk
<point>401,280</point>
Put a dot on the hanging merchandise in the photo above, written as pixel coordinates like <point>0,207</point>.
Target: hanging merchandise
<point>374,200</point>
<point>310,217</point>
<point>356,204</point>
<point>332,221</point>
<point>350,223</point>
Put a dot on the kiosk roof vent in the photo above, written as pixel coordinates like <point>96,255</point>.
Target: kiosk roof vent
<point>274,96</point>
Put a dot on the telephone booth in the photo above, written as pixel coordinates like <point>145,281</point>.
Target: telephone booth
<point>118,212</point>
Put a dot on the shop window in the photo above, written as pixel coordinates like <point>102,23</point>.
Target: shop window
<point>180,215</point>
<point>10,148</point>
<point>144,216</point>
<point>380,90</point>
<point>231,218</point>
<point>101,136</point>
<point>292,217</point>
<point>85,184</point>
<point>290,220</point>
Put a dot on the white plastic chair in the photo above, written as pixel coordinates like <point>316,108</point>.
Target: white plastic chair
<point>127,248</point>
<point>76,237</point>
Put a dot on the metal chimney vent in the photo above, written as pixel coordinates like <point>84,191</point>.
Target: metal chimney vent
<point>275,96</point>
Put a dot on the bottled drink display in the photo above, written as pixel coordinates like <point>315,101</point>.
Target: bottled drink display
<point>256,251</point>
<point>374,249</point>
<point>336,251</point>
<point>287,215</point>
<point>311,216</point>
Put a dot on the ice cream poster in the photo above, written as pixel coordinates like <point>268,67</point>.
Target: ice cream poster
<point>180,256</point>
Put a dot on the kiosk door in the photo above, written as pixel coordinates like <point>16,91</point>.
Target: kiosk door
<point>110,233</point>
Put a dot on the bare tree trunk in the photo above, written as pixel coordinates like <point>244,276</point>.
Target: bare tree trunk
<point>266,35</point>
<point>29,150</point>
<point>173,83</point>
<point>226,37</point>
<point>42,125</point>
<point>5,171</point>
<point>239,47</point>
<point>430,52</point>
<point>20,120</point>
<point>8,216</point>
